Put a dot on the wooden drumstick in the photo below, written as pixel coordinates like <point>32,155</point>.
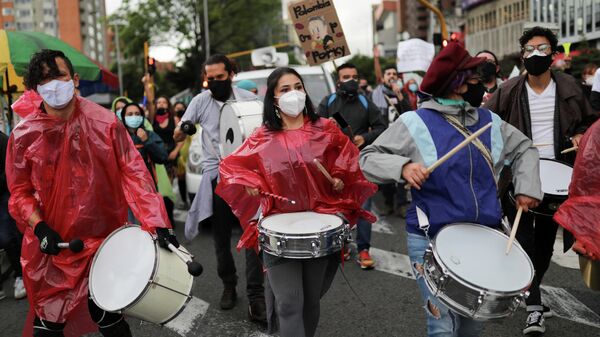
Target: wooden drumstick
<point>456,149</point>
<point>513,232</point>
<point>571,149</point>
<point>542,144</point>
<point>324,171</point>
<point>278,197</point>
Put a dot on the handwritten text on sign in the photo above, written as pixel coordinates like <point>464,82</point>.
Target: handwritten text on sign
<point>319,30</point>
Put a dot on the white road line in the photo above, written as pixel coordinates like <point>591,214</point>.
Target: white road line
<point>382,226</point>
<point>566,260</point>
<point>568,307</point>
<point>194,311</point>
<point>393,263</point>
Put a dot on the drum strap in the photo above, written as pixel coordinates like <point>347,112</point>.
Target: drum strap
<point>423,221</point>
<point>485,152</point>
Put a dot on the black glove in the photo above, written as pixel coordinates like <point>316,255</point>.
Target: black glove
<point>166,236</point>
<point>49,239</point>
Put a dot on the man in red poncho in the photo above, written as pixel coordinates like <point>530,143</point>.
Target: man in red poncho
<point>72,171</point>
<point>580,214</point>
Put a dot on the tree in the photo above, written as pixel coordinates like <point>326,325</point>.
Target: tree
<point>233,26</point>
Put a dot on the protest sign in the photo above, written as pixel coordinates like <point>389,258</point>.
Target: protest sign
<point>414,55</point>
<point>319,30</point>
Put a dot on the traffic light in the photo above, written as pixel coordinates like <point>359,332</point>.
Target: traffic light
<point>151,62</point>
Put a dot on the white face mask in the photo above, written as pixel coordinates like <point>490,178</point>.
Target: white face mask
<point>57,93</point>
<point>292,103</point>
<point>589,80</point>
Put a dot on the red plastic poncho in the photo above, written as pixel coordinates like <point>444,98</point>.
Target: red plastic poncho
<point>81,174</point>
<point>580,214</point>
<point>281,162</point>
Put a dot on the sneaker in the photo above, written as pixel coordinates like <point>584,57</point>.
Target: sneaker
<point>228,298</point>
<point>257,311</point>
<point>548,312</point>
<point>365,260</point>
<point>346,253</point>
<point>535,323</point>
<point>19,289</point>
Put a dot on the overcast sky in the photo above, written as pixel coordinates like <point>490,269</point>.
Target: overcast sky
<point>355,16</point>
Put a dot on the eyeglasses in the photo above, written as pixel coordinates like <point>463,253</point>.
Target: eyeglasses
<point>543,48</point>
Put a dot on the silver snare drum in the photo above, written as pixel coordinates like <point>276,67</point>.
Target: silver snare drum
<point>302,235</point>
<point>467,270</point>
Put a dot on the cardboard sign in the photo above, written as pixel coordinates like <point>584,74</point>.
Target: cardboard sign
<point>414,55</point>
<point>319,30</point>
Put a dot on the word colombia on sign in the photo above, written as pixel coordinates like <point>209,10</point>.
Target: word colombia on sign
<point>319,30</point>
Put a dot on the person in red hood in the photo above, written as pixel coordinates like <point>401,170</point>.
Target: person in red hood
<point>72,171</point>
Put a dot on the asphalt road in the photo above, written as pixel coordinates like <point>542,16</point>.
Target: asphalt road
<point>392,306</point>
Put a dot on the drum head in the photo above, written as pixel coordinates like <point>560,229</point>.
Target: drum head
<point>301,222</point>
<point>476,254</point>
<point>238,121</point>
<point>555,177</point>
<point>122,267</point>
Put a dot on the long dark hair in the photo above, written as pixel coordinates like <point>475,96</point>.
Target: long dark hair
<point>270,119</point>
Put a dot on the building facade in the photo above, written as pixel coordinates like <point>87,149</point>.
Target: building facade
<point>497,25</point>
<point>79,23</point>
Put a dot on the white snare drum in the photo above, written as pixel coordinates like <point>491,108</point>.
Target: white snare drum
<point>466,269</point>
<point>302,235</point>
<point>238,121</point>
<point>131,274</point>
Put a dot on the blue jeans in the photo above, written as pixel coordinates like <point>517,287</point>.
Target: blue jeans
<point>444,323</point>
<point>363,229</point>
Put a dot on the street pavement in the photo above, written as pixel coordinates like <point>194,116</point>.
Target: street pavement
<point>380,302</point>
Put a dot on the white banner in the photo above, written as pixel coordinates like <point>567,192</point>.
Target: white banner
<point>414,55</point>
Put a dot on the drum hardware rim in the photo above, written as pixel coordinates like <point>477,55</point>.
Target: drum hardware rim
<point>478,303</point>
<point>475,287</point>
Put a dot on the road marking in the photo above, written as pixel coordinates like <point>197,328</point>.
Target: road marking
<point>566,260</point>
<point>391,262</point>
<point>382,226</point>
<point>568,307</point>
<point>184,322</point>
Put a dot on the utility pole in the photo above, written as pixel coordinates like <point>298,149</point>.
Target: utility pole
<point>439,15</point>
<point>119,71</point>
<point>206,35</point>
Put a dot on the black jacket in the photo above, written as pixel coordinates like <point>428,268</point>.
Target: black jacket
<point>364,122</point>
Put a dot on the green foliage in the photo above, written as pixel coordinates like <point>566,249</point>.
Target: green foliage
<point>586,57</point>
<point>233,26</point>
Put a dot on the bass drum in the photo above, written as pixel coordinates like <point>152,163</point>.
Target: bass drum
<point>238,121</point>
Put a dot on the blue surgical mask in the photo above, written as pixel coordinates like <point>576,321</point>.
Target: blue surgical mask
<point>118,113</point>
<point>134,122</point>
<point>413,87</point>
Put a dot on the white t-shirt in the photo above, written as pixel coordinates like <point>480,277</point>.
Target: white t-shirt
<point>596,85</point>
<point>541,110</point>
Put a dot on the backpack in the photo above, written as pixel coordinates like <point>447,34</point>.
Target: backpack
<point>361,98</point>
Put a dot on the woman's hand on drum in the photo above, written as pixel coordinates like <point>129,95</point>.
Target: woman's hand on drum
<point>576,139</point>
<point>252,191</point>
<point>415,174</point>
<point>526,202</point>
<point>338,184</point>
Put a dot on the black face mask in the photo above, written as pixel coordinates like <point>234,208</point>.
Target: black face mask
<point>474,94</point>
<point>487,71</point>
<point>537,65</point>
<point>220,90</point>
<point>179,113</point>
<point>349,88</point>
<point>161,111</point>
<point>364,87</point>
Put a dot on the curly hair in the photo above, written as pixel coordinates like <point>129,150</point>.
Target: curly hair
<point>539,31</point>
<point>42,60</point>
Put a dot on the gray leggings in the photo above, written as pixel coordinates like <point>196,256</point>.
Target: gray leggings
<point>298,286</point>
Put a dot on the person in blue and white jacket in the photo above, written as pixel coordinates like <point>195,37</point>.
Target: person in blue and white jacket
<point>462,189</point>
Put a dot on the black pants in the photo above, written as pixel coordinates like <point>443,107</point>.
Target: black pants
<point>109,324</point>
<point>223,220</point>
<point>538,242</point>
<point>10,238</point>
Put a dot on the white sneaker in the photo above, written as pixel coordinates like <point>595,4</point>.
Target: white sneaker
<point>19,289</point>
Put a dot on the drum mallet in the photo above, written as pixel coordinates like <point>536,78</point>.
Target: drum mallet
<point>456,149</point>
<point>75,245</point>
<point>513,232</point>
<point>324,171</point>
<point>194,268</point>
<point>278,197</point>
<point>571,149</point>
<point>188,128</point>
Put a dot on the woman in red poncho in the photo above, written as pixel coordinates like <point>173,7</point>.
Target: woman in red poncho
<point>278,158</point>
